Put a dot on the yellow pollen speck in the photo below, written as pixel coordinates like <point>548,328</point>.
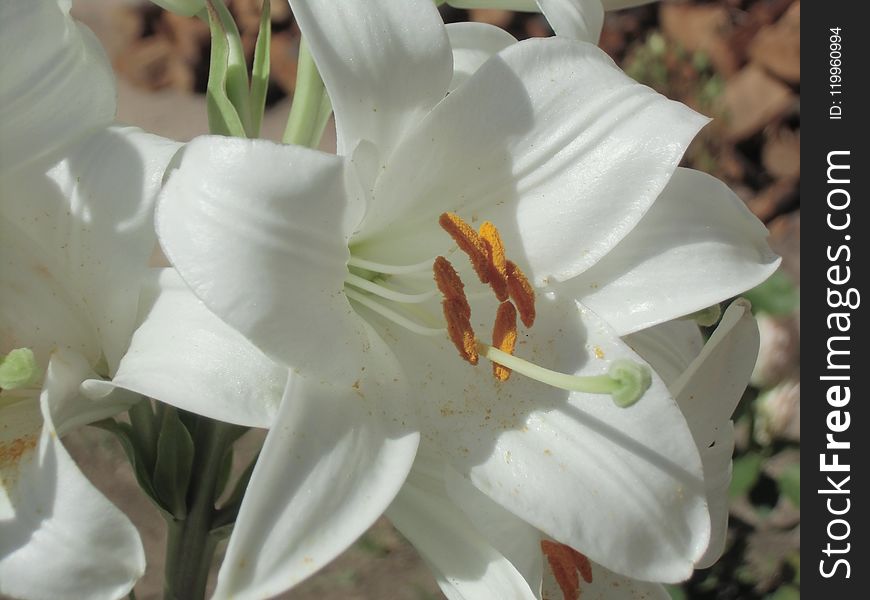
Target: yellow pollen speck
<point>599,353</point>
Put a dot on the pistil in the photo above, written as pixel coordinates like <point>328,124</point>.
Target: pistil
<point>625,381</point>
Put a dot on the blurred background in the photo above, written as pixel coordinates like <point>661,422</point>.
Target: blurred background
<point>735,60</point>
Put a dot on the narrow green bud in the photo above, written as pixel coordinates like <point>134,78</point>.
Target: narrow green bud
<point>18,369</point>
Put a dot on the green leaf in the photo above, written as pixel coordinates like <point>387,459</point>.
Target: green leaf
<point>676,592</point>
<point>226,516</point>
<point>124,434</point>
<point>174,462</point>
<point>260,70</point>
<point>311,106</point>
<point>223,117</point>
<point>236,80</point>
<point>744,474</point>
<point>224,472</point>
<point>776,296</point>
<point>143,432</point>
<point>790,483</point>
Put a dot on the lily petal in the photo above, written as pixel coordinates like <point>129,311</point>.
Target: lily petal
<point>697,246</point>
<point>92,214</point>
<point>622,485</point>
<point>183,355</point>
<point>551,142</point>
<point>331,465</point>
<point>37,310</point>
<point>518,541</point>
<point>669,348</point>
<point>377,89</point>
<point>259,232</point>
<point>473,44</point>
<point>575,19</point>
<point>62,525</point>
<point>51,92</point>
<point>465,565</point>
<point>708,393</point>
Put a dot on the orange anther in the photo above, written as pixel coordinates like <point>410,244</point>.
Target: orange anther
<point>451,285</point>
<point>522,293</point>
<point>459,329</point>
<point>504,336</point>
<point>468,241</point>
<point>568,566</point>
<point>496,262</point>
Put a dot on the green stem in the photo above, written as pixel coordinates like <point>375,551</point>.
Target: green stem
<point>190,547</point>
<point>310,102</point>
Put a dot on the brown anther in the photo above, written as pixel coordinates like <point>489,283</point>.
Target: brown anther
<point>450,285</point>
<point>522,293</point>
<point>567,566</point>
<point>504,336</point>
<point>496,264</point>
<point>459,329</point>
<point>468,241</point>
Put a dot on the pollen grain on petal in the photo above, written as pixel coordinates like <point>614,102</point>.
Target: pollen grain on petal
<point>450,285</point>
<point>567,566</point>
<point>522,293</point>
<point>468,241</point>
<point>504,337</point>
<point>496,261</point>
<point>460,331</point>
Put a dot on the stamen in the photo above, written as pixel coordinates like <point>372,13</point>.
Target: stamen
<point>504,337</point>
<point>18,369</point>
<point>626,381</point>
<point>567,566</point>
<point>370,265</point>
<point>468,241</point>
<point>383,292</point>
<point>496,262</point>
<point>390,314</point>
<point>459,329</point>
<point>451,286</point>
<point>522,293</point>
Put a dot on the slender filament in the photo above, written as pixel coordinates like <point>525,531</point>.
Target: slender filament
<point>391,315</point>
<point>379,290</point>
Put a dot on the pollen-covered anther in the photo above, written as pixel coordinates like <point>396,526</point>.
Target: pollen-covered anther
<point>504,337</point>
<point>450,285</point>
<point>567,566</point>
<point>459,329</point>
<point>522,293</point>
<point>496,261</point>
<point>468,241</point>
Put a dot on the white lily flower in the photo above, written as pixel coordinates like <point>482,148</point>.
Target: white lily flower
<point>76,233</point>
<point>325,263</point>
<point>477,549</point>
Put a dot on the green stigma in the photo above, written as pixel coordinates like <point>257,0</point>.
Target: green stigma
<point>18,369</point>
<point>706,317</point>
<point>632,379</point>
